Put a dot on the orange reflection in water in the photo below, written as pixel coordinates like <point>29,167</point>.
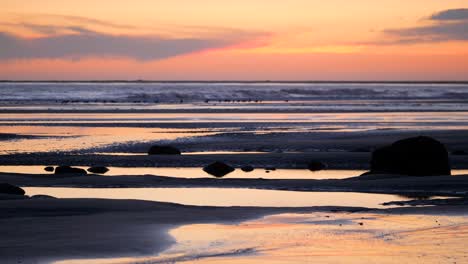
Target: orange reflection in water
<point>317,238</point>
<point>199,173</point>
<point>63,138</point>
<point>413,117</point>
<point>225,196</point>
<point>193,172</point>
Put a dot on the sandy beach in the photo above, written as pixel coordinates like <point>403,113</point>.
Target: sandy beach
<point>339,150</point>
<point>114,228</point>
<point>437,185</point>
<point>166,209</point>
<point>54,229</point>
<point>134,231</point>
<point>233,132</point>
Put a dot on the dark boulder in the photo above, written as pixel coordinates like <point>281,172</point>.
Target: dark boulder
<point>316,166</point>
<point>6,188</point>
<point>218,169</point>
<point>417,156</point>
<point>163,150</point>
<point>247,168</point>
<point>49,168</point>
<point>98,169</point>
<point>69,170</point>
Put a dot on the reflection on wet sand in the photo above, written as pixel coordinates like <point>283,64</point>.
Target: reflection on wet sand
<point>78,131</point>
<point>199,173</point>
<point>225,196</point>
<point>317,238</point>
<point>192,172</point>
<point>376,117</point>
<point>65,138</point>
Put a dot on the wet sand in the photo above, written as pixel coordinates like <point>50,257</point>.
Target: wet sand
<point>334,160</point>
<point>135,231</point>
<point>44,230</point>
<point>391,184</point>
<point>340,150</point>
<point>56,229</point>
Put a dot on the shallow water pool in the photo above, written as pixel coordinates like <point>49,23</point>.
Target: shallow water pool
<point>224,196</point>
<point>315,238</point>
<point>199,173</point>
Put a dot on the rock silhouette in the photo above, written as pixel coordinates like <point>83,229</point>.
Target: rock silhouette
<point>218,169</point>
<point>49,168</point>
<point>316,166</point>
<point>98,169</point>
<point>69,170</point>
<point>6,188</point>
<point>247,168</point>
<point>417,156</point>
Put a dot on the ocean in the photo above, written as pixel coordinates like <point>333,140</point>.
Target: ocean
<point>99,115</point>
<point>312,96</point>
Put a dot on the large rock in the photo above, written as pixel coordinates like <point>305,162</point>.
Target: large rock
<point>6,188</point>
<point>98,169</point>
<point>316,166</point>
<point>163,150</point>
<point>218,169</point>
<point>69,170</point>
<point>417,156</point>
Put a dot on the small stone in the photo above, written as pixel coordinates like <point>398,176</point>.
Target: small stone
<point>49,168</point>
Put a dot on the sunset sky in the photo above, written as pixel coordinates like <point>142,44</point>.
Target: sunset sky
<point>234,40</point>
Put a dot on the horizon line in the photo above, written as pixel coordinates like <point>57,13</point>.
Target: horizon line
<point>236,81</point>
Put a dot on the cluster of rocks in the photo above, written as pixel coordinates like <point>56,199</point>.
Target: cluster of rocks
<point>220,169</point>
<point>68,170</point>
<point>416,156</point>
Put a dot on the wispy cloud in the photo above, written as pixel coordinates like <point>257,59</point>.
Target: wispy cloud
<point>451,14</point>
<point>447,25</point>
<point>97,44</point>
<point>52,29</point>
<point>63,20</point>
<point>75,39</point>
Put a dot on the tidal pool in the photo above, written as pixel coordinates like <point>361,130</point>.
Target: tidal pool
<point>225,196</point>
<point>73,138</point>
<point>316,238</point>
<point>199,173</point>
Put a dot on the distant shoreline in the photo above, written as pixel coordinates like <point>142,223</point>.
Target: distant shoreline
<point>235,81</point>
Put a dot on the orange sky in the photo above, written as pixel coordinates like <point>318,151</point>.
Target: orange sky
<point>234,40</point>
